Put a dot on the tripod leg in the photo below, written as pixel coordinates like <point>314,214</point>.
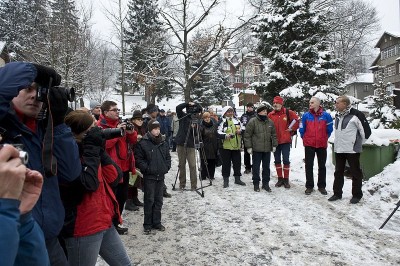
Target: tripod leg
<point>390,216</point>
<point>176,178</point>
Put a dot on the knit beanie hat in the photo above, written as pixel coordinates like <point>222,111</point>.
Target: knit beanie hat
<point>250,105</point>
<point>262,108</point>
<point>93,104</point>
<point>278,99</point>
<point>152,125</point>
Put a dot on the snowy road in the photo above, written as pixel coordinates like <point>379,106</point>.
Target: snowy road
<point>237,226</point>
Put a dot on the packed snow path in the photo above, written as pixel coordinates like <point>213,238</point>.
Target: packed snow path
<point>237,226</point>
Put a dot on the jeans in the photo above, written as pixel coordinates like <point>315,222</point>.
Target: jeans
<point>153,202</point>
<point>259,157</point>
<point>107,243</point>
<point>283,150</point>
<point>354,162</point>
<point>309,153</point>
<point>56,253</point>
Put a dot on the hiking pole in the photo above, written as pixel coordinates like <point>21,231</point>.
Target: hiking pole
<point>390,216</point>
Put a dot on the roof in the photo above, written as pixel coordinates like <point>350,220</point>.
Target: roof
<point>391,33</point>
<point>361,78</point>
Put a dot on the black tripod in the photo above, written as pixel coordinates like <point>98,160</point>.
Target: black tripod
<point>390,216</point>
<point>199,152</point>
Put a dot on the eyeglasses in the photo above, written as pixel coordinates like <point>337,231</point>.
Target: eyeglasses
<point>114,110</point>
<point>139,119</point>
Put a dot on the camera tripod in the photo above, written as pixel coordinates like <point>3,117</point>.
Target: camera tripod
<point>194,129</point>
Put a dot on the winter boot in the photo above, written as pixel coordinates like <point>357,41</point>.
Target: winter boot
<point>286,183</point>
<point>266,187</point>
<point>238,181</point>
<point>286,170</point>
<point>137,202</point>
<point>280,182</point>
<point>256,187</point>
<point>226,182</point>
<point>130,206</point>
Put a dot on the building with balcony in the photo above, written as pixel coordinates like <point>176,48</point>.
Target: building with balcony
<point>387,64</point>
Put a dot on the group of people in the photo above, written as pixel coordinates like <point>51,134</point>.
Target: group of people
<point>269,129</point>
<point>64,206</point>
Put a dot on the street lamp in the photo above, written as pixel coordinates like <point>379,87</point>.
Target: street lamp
<point>244,51</point>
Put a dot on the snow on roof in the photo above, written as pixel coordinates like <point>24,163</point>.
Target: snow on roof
<point>361,78</point>
<point>2,45</point>
<point>395,34</point>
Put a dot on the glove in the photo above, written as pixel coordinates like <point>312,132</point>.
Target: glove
<point>94,137</point>
<point>44,74</point>
<point>273,149</point>
<point>58,105</point>
<point>250,150</point>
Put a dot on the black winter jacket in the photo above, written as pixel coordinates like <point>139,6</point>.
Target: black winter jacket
<point>209,135</point>
<point>153,160</point>
<point>184,125</point>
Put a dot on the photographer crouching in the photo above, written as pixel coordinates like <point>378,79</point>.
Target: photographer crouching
<point>26,89</point>
<point>117,149</point>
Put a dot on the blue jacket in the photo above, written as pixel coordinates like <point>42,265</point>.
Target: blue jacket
<point>165,125</point>
<point>316,128</point>
<point>21,239</point>
<point>48,211</point>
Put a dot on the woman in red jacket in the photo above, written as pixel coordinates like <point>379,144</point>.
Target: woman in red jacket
<point>90,204</point>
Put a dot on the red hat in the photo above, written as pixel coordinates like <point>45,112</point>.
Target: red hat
<point>278,99</point>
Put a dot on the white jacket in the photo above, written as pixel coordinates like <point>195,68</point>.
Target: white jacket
<point>349,134</point>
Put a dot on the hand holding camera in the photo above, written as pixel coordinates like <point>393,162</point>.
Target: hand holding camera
<point>94,137</point>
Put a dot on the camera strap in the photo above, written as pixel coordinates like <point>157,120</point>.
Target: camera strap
<point>49,160</point>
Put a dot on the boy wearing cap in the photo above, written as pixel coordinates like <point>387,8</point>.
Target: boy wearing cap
<point>286,122</point>
<point>95,109</point>
<point>244,119</point>
<point>260,139</point>
<point>154,161</point>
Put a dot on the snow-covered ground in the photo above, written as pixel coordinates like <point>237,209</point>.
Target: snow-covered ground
<point>237,226</point>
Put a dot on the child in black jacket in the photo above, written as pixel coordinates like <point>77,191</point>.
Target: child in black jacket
<point>154,161</point>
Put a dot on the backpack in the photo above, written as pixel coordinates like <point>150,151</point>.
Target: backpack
<point>364,122</point>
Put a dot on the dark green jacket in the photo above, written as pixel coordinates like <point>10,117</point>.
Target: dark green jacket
<point>260,135</point>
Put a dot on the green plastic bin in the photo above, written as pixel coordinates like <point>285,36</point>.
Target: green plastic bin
<point>374,158</point>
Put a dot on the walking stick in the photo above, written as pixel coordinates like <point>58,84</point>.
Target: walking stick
<point>390,216</point>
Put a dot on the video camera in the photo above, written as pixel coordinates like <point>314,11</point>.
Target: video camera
<point>194,109</point>
<point>112,133</point>
<point>42,93</point>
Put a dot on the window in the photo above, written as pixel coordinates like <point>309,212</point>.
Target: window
<point>365,87</point>
<point>390,71</point>
<point>227,66</point>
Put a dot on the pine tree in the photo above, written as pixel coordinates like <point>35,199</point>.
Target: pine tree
<point>145,63</point>
<point>23,28</point>
<point>382,113</point>
<point>293,37</point>
<point>218,83</point>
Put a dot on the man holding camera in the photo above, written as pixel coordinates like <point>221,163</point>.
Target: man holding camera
<point>185,142</point>
<point>23,87</point>
<point>117,149</point>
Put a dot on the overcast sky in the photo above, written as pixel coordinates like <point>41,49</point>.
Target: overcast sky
<point>388,12</point>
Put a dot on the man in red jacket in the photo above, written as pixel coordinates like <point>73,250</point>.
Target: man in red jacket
<point>117,149</point>
<point>286,122</point>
